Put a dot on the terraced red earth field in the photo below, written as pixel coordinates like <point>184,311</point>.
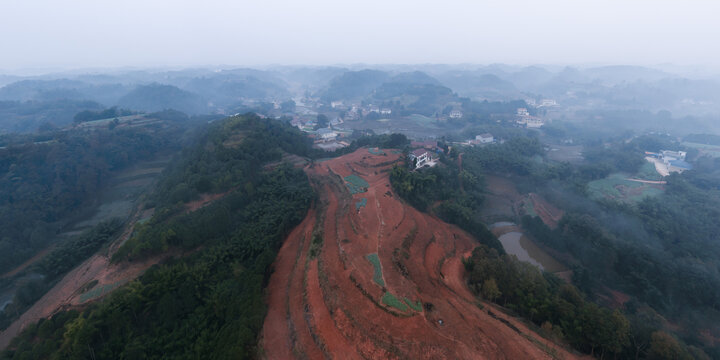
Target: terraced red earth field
<point>326,300</point>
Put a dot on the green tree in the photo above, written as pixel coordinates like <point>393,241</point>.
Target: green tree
<point>490,289</point>
<point>665,347</point>
<point>322,121</point>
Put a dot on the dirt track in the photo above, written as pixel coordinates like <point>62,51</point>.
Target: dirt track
<point>67,292</point>
<point>549,214</point>
<point>329,306</point>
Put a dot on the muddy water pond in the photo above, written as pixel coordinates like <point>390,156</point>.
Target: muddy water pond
<point>516,243</point>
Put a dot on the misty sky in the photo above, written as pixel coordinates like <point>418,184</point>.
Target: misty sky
<point>100,33</point>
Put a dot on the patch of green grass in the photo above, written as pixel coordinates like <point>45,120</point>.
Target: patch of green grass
<point>316,244</point>
<point>529,208</point>
<point>376,151</point>
<point>88,286</point>
<point>646,191</point>
<point>648,172</point>
<point>356,184</point>
<point>608,189</point>
<point>377,275</point>
<point>390,300</point>
<point>360,203</point>
<point>415,305</point>
<point>98,291</point>
<point>421,119</point>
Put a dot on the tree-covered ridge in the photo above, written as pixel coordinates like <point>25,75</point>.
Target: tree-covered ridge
<point>210,303</point>
<point>89,115</point>
<point>562,312</point>
<point>225,156</point>
<point>663,250</point>
<point>158,97</point>
<point>546,300</point>
<point>29,116</point>
<point>42,182</point>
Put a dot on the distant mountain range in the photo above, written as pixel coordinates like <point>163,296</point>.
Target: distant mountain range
<point>198,91</point>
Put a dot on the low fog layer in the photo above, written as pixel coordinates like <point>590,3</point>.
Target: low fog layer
<point>623,97</point>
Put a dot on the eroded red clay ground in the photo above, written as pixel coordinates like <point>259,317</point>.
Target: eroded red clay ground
<point>329,306</point>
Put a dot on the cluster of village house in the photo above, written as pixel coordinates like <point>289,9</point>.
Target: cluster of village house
<point>524,118</point>
<point>330,134</point>
<point>674,161</point>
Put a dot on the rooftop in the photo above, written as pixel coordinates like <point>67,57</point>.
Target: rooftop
<point>418,152</point>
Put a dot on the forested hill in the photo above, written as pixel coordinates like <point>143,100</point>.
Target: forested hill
<point>43,180</point>
<point>208,304</point>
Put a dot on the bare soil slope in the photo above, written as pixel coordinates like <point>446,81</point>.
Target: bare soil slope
<point>327,299</point>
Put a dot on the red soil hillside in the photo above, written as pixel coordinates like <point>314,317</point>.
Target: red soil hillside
<point>327,299</point>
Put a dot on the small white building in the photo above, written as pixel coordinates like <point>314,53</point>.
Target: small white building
<point>669,155</point>
<point>456,114</point>
<point>385,111</point>
<point>485,138</point>
<point>326,134</point>
<point>336,104</point>
<point>523,112</point>
<point>533,122</point>
<point>420,156</point>
<point>548,102</point>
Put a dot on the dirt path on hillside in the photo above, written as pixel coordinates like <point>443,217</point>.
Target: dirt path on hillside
<point>67,292</point>
<point>332,305</point>
<point>658,182</point>
<point>549,214</point>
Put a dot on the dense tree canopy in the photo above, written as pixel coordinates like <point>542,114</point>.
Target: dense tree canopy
<point>43,182</point>
<point>208,304</point>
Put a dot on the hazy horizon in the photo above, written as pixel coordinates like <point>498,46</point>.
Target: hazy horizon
<point>180,34</point>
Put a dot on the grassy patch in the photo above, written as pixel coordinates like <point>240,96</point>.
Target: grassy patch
<point>376,151</point>
<point>390,300</point>
<point>377,275</point>
<point>529,207</point>
<point>616,187</point>
<point>648,172</point>
<point>315,245</point>
<point>360,203</point>
<point>98,291</point>
<point>415,305</point>
<point>356,184</point>
<point>422,120</point>
<point>88,286</point>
